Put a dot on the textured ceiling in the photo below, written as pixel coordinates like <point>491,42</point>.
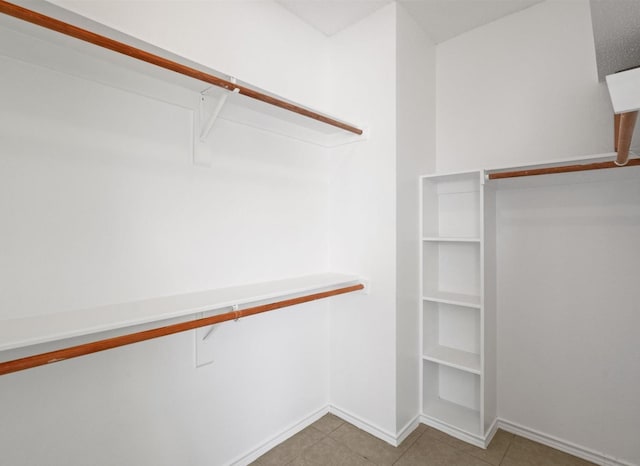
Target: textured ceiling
<point>616,31</point>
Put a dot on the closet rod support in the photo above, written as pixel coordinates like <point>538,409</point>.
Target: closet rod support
<point>206,129</point>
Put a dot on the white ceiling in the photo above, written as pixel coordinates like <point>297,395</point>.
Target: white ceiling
<point>440,19</point>
<point>444,19</point>
<point>332,16</point>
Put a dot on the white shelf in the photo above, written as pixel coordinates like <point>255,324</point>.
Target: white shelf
<point>36,45</point>
<point>450,239</point>
<point>452,176</point>
<point>18,333</point>
<point>452,298</point>
<point>454,415</point>
<point>463,360</point>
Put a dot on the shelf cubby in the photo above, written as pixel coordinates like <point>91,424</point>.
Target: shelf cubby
<point>451,206</point>
<point>451,267</point>
<point>452,397</point>
<point>451,335</point>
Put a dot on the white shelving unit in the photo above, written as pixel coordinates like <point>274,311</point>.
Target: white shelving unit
<point>457,368</point>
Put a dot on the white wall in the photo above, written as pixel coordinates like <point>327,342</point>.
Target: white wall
<point>415,128</point>
<point>568,305</point>
<point>521,89</point>
<point>362,197</point>
<point>100,204</point>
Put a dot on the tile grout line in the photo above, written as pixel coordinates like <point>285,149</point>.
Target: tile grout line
<point>506,451</point>
<point>348,447</point>
<point>424,432</point>
<point>473,454</point>
<point>307,447</point>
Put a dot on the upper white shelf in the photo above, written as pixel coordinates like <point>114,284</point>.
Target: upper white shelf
<point>450,239</point>
<point>452,177</point>
<point>28,331</point>
<point>83,40</point>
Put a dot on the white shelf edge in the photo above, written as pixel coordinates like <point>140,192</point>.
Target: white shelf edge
<point>457,359</point>
<point>538,164</point>
<point>551,163</point>
<point>450,239</point>
<point>452,175</point>
<point>29,331</point>
<point>459,417</point>
<point>450,298</point>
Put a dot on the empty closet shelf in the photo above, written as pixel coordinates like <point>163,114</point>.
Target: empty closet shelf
<point>28,331</point>
<point>452,298</point>
<point>453,415</point>
<point>214,307</point>
<point>450,239</point>
<point>463,360</point>
<point>77,45</point>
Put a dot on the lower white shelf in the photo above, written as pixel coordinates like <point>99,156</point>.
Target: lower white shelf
<point>463,360</point>
<point>451,396</point>
<point>454,415</point>
<point>27,331</point>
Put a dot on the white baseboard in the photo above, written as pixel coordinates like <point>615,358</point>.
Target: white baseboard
<point>395,440</point>
<point>562,445</point>
<point>364,425</point>
<point>278,439</point>
<point>406,430</point>
<point>290,431</point>
<point>476,440</point>
<point>491,433</point>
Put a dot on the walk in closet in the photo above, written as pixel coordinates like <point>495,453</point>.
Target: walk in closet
<point>225,231</point>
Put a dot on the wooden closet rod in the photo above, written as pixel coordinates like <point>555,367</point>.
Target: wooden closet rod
<point>115,342</point>
<point>624,123</point>
<point>139,54</point>
<point>561,169</point>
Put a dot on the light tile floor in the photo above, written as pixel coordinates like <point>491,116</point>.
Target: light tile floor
<point>332,442</point>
